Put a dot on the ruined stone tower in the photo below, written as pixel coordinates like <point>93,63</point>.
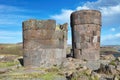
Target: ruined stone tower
<point>44,43</point>
<point>86,27</point>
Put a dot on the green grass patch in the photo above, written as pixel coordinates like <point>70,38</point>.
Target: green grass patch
<point>27,76</point>
<point>7,64</point>
<point>49,76</point>
<point>113,62</point>
<point>22,76</point>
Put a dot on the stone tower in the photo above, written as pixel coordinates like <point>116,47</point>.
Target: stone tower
<point>86,28</point>
<point>44,43</point>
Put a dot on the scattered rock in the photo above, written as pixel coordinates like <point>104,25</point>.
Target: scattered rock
<point>76,69</point>
<point>95,74</point>
<point>3,70</point>
<point>84,68</point>
<point>4,58</point>
<point>116,77</point>
<point>93,65</point>
<point>71,63</point>
<point>70,59</point>
<point>108,57</point>
<point>118,68</point>
<point>88,71</point>
<point>83,78</point>
<point>102,78</point>
<point>112,69</point>
<point>118,58</point>
<point>107,69</point>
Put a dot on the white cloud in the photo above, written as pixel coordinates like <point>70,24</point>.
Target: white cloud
<point>101,3</point>
<point>107,37</point>
<point>6,8</point>
<point>112,29</point>
<point>111,39</point>
<point>110,15</point>
<point>111,10</point>
<point>108,8</point>
<point>117,35</point>
<point>82,7</point>
<point>63,17</point>
<point>69,41</point>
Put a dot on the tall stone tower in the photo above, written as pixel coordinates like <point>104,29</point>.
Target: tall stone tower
<point>86,28</point>
<point>44,43</point>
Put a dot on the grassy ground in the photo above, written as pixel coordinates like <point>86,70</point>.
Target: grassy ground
<point>7,64</point>
<point>31,74</point>
<point>13,49</point>
<point>20,73</point>
<point>108,50</point>
<point>16,49</point>
<point>16,72</point>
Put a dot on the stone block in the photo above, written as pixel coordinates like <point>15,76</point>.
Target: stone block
<point>46,24</point>
<point>43,57</point>
<point>33,24</point>
<point>77,53</point>
<point>29,24</point>
<point>77,45</point>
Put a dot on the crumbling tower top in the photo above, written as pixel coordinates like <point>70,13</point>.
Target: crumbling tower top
<point>86,17</point>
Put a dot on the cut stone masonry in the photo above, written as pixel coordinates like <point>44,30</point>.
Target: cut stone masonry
<point>86,27</point>
<point>44,43</point>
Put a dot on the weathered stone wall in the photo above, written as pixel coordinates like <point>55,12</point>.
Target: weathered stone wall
<point>44,43</point>
<point>86,28</point>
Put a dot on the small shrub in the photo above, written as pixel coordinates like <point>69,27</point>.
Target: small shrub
<point>48,76</point>
<point>112,63</point>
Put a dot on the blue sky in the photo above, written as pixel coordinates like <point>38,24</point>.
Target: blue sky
<point>14,12</point>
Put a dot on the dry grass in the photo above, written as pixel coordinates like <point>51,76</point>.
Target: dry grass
<point>13,49</point>
<point>16,49</point>
<point>108,50</point>
<point>21,74</point>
